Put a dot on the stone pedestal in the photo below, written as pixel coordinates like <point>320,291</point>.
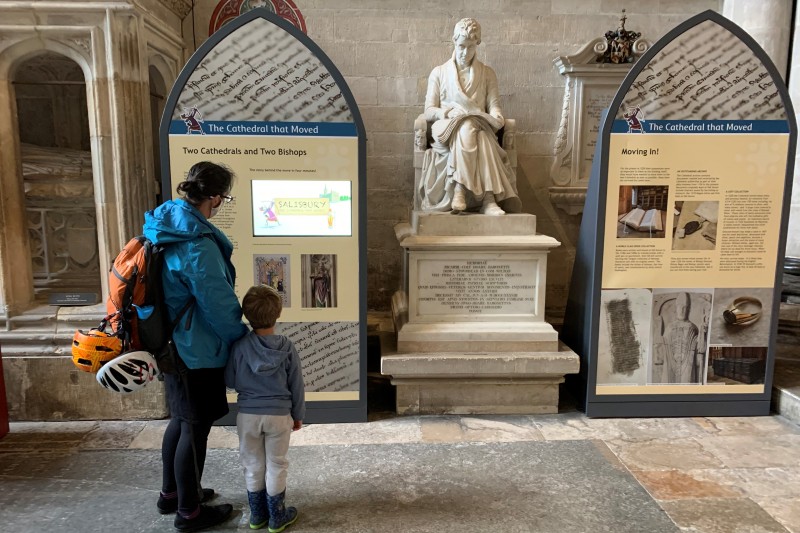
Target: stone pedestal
<point>41,381</point>
<point>471,334</point>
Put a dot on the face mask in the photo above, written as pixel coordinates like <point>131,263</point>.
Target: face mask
<point>214,211</point>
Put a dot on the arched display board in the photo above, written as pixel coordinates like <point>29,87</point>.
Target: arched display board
<point>260,97</point>
<point>675,293</point>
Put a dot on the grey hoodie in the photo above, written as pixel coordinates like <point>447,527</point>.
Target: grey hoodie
<point>266,372</point>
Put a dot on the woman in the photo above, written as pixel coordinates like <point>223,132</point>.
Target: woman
<point>198,282</point>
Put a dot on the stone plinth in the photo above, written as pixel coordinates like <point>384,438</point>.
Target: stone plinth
<point>471,333</point>
<point>475,282</point>
<point>479,383</point>
<point>41,381</point>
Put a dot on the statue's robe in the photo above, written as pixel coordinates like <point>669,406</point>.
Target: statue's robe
<point>465,149</point>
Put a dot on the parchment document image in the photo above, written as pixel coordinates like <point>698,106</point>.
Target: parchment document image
<point>261,73</point>
<point>319,280</point>
<point>624,337</point>
<point>329,351</point>
<point>686,78</point>
<point>680,336</point>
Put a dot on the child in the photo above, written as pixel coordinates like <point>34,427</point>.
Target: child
<point>265,370</point>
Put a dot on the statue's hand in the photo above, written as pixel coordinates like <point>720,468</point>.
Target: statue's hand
<point>454,112</point>
<point>499,118</point>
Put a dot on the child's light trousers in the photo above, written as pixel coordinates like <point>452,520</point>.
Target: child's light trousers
<point>263,445</point>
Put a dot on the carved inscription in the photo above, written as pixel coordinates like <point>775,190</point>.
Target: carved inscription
<point>595,99</point>
<point>707,73</point>
<point>329,352</point>
<point>260,72</point>
<point>483,286</point>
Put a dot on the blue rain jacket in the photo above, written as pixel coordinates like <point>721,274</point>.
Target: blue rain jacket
<point>197,263</point>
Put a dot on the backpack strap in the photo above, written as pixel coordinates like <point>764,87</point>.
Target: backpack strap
<point>180,314</point>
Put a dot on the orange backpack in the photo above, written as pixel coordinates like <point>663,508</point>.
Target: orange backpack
<point>135,305</point>
<point>134,282</point>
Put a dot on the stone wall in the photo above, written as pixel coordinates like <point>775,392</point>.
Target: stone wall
<point>793,235</point>
<point>385,50</point>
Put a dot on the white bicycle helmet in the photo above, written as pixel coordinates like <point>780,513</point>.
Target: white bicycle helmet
<point>129,372</point>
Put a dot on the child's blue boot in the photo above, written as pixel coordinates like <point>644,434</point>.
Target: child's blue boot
<point>280,516</point>
<point>259,511</point>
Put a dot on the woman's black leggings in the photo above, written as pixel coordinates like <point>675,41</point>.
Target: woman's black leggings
<point>183,455</point>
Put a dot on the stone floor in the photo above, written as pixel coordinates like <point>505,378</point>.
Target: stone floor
<point>547,473</point>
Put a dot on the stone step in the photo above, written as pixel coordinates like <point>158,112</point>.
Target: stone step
<point>472,224</point>
<point>786,389</point>
<point>786,382</point>
<point>46,330</point>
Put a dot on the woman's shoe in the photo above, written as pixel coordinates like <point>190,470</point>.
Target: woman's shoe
<point>170,505</point>
<point>209,516</point>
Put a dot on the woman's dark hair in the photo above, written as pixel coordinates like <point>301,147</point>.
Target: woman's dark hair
<point>204,180</point>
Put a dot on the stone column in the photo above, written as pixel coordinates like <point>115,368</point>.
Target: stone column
<point>128,90</point>
<point>793,236</point>
<point>16,277</point>
<point>768,22</point>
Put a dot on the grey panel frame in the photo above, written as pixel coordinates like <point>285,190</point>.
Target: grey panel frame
<point>583,336</point>
<point>319,412</point>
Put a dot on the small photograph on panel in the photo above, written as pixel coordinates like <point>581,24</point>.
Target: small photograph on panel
<point>624,336</point>
<point>736,365</point>
<point>319,280</point>
<point>742,317</point>
<point>274,270</point>
<point>695,225</point>
<point>681,320</point>
<point>642,211</point>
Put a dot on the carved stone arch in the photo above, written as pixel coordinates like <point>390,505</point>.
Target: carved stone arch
<point>161,76</point>
<point>20,52</point>
<point>16,276</point>
<point>166,68</point>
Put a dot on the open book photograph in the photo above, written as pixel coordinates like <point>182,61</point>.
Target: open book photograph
<point>642,212</point>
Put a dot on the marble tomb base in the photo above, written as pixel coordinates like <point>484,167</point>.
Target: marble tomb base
<point>471,334</point>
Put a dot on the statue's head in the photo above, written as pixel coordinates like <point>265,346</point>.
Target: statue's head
<point>683,304</point>
<point>469,29</point>
<point>466,38</point>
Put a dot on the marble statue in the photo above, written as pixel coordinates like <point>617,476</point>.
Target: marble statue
<point>466,168</point>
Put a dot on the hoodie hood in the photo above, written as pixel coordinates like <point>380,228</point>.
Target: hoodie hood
<point>269,353</point>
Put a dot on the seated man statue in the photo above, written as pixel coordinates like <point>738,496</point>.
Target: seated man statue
<point>466,168</point>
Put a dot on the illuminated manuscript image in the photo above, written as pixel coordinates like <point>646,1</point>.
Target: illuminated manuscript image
<point>681,321</point>
<point>274,270</point>
<point>301,208</point>
<point>319,280</point>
